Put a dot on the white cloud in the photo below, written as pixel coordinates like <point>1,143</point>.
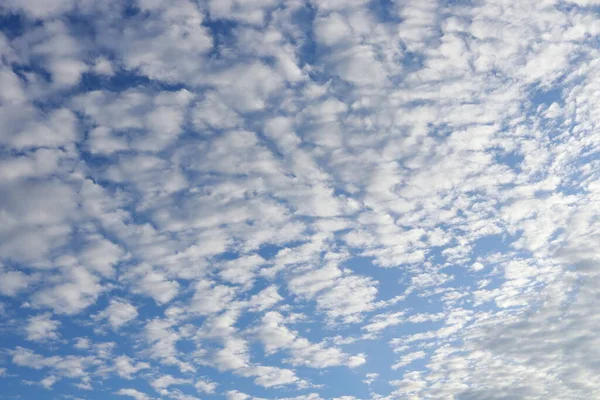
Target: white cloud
<point>348,298</point>
<point>252,190</point>
<point>332,29</point>
<point>269,377</point>
<point>118,313</point>
<point>162,340</point>
<point>62,367</point>
<point>236,395</point>
<point>151,44</point>
<point>205,386</point>
<point>134,119</point>
<point>126,367</point>
<point>276,336</point>
<point>242,270</point>
<point>371,377</point>
<point>13,282</point>
<point>252,12</point>
<point>42,328</point>
<point>48,381</point>
<point>35,219</point>
<point>155,285</point>
<point>42,9</point>
<point>53,130</point>
<point>133,393</point>
<point>101,255</point>
<point>264,299</point>
<point>409,358</point>
<point>213,113</point>
<point>358,65</point>
<point>210,298</point>
<point>77,289</point>
<point>162,384</point>
<point>382,321</point>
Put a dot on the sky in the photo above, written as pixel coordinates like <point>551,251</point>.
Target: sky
<point>299,199</point>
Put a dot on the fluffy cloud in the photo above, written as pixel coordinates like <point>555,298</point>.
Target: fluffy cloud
<point>201,197</point>
<point>76,290</point>
<point>276,336</point>
<point>41,328</point>
<point>13,282</point>
<point>340,297</point>
<point>118,313</point>
<point>126,367</point>
<point>205,386</point>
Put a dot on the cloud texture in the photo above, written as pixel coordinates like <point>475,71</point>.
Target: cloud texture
<point>300,199</point>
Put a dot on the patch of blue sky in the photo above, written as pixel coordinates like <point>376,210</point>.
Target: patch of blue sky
<point>512,159</point>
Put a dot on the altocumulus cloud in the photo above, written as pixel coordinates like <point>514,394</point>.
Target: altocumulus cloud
<point>299,199</point>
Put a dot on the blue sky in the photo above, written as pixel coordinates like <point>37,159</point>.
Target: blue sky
<point>299,200</point>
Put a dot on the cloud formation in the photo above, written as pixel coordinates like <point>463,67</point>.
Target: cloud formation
<point>301,199</point>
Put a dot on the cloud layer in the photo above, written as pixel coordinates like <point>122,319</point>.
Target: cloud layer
<point>300,199</point>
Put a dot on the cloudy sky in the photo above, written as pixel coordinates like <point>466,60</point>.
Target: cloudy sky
<point>299,199</point>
